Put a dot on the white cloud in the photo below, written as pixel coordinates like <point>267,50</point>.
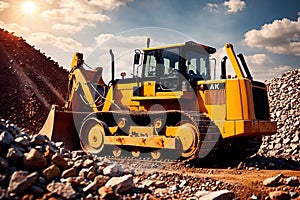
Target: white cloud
<point>64,43</point>
<point>3,6</point>
<point>279,37</point>
<point>67,28</point>
<point>260,65</point>
<point>212,7</point>
<point>93,5</point>
<point>234,5</point>
<point>14,27</point>
<point>80,13</point>
<point>263,68</point>
<point>123,47</point>
<point>103,38</point>
<point>231,6</point>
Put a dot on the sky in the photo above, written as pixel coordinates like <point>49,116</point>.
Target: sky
<point>267,32</point>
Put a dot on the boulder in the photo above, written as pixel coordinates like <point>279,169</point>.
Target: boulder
<point>62,189</point>
<point>113,170</point>
<point>51,172</point>
<point>218,195</point>
<point>273,181</point>
<point>121,184</point>
<point>21,181</point>
<point>279,195</point>
<point>35,160</point>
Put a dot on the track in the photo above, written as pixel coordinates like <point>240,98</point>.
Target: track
<point>207,144</point>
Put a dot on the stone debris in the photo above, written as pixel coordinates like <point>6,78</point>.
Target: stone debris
<point>284,94</point>
<point>273,181</point>
<point>46,170</point>
<point>218,195</point>
<point>280,180</point>
<point>279,195</point>
<point>121,184</point>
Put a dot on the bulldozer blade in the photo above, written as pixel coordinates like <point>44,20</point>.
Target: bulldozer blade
<point>62,127</point>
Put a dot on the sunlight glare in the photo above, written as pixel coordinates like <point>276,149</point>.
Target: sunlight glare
<point>28,7</point>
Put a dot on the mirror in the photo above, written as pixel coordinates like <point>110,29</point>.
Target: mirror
<point>137,58</point>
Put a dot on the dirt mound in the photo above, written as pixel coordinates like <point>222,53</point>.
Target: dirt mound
<point>30,83</point>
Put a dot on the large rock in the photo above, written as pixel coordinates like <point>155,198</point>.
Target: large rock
<point>121,184</point>
<point>69,173</point>
<point>218,195</point>
<point>60,161</point>
<point>6,138</point>
<point>292,181</point>
<point>273,181</point>
<point>62,189</point>
<point>35,160</point>
<point>107,193</point>
<point>51,172</point>
<point>21,181</point>
<point>15,155</point>
<point>113,170</point>
<point>100,180</point>
<point>279,195</point>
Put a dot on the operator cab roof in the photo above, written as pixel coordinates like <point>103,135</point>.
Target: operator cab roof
<point>209,50</point>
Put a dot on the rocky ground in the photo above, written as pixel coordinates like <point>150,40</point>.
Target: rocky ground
<point>284,93</point>
<point>32,167</point>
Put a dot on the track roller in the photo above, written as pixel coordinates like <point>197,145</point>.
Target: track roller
<point>116,151</point>
<point>135,152</point>
<point>156,154</point>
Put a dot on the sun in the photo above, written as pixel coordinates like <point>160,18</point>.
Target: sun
<point>28,7</point>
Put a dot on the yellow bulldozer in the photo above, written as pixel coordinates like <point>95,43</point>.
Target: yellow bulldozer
<point>173,105</point>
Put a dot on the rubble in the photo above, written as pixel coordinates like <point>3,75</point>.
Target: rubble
<point>284,93</point>
<point>46,169</point>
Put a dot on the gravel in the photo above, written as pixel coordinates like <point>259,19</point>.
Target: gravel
<point>284,94</point>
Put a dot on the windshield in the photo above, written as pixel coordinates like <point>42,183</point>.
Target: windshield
<point>161,62</point>
<point>197,64</point>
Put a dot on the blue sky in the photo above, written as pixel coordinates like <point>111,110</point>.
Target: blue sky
<point>267,32</point>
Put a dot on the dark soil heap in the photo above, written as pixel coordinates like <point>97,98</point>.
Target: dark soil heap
<point>30,83</point>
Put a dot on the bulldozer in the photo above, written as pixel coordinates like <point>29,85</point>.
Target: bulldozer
<point>174,105</point>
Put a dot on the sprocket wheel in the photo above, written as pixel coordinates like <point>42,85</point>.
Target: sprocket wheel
<point>190,139</point>
<point>92,134</point>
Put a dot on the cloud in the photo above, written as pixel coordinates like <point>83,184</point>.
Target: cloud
<point>67,28</point>
<point>263,68</point>
<point>234,5</point>
<point>231,6</point>
<point>64,43</point>
<point>212,7</point>
<point>80,13</point>
<point>123,47</point>
<point>279,37</point>
<point>14,27</point>
<point>260,65</point>
<point>3,6</point>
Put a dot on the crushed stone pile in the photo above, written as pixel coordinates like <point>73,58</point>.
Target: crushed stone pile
<point>30,83</point>
<point>284,95</point>
<point>32,167</point>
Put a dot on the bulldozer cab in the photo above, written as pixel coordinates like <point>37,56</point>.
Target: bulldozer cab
<point>171,66</point>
